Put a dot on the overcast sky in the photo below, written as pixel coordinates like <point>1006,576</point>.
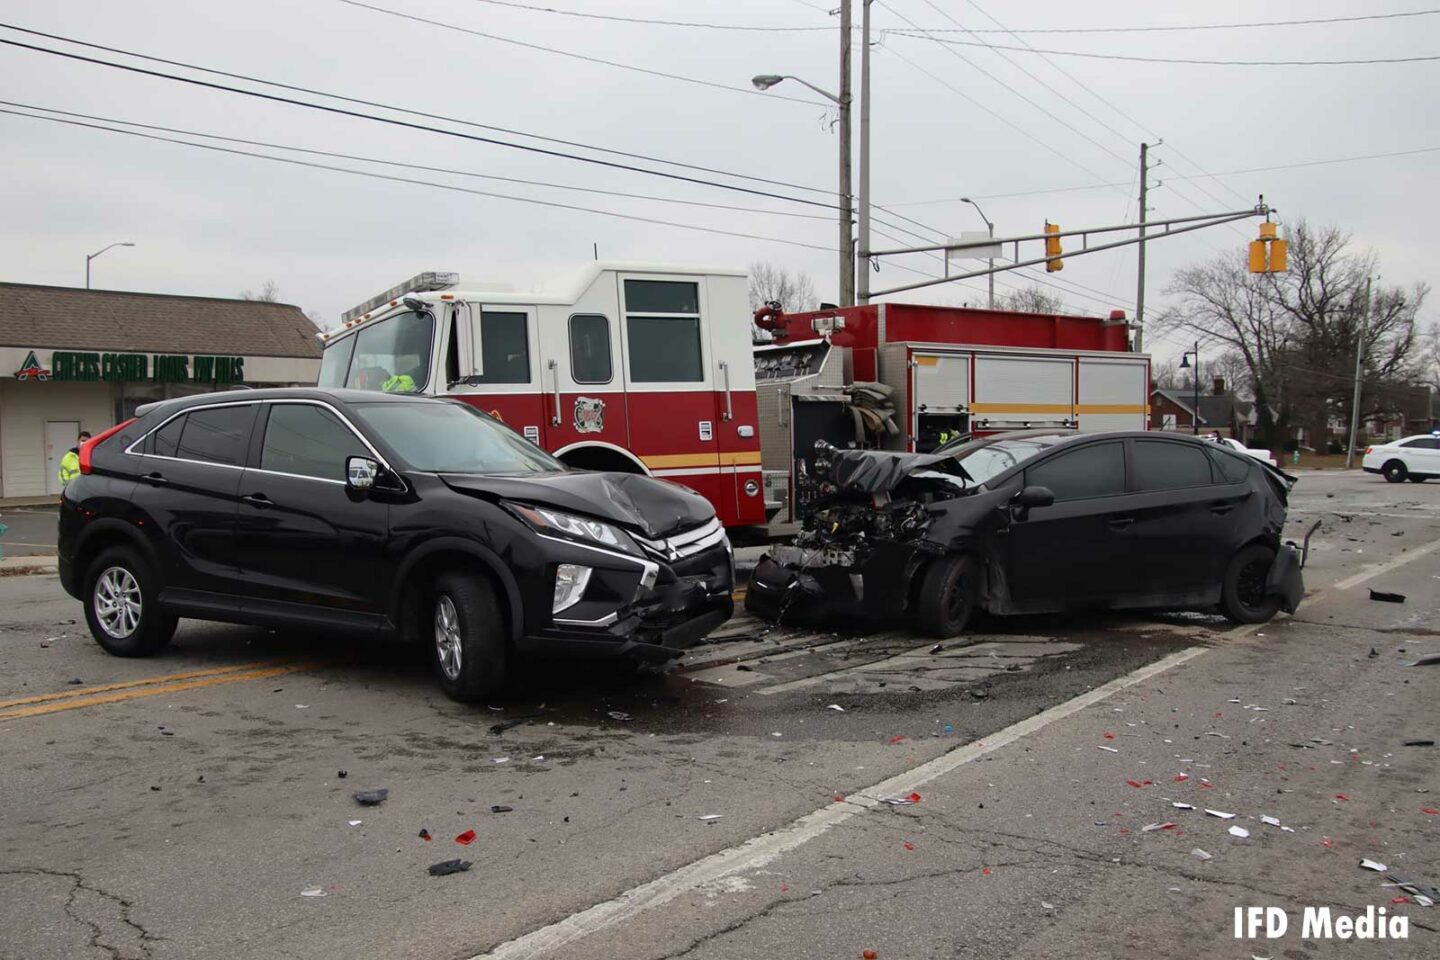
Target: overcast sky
<point>214,224</point>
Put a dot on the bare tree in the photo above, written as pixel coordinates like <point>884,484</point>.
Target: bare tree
<point>1297,332</point>
<point>1031,300</point>
<point>770,283</point>
<point>269,292</point>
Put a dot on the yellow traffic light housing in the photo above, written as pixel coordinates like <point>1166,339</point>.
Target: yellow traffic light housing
<point>1053,249</point>
<point>1269,254</point>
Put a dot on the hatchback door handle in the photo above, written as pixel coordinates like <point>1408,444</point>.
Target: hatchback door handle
<point>155,479</point>
<point>258,500</point>
<point>1120,523</point>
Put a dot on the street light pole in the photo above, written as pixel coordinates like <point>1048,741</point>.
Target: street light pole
<point>1355,402</point>
<point>92,256</point>
<point>1185,363</point>
<point>862,267</point>
<point>991,261</point>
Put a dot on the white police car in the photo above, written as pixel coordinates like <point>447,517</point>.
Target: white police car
<point>1413,458</point>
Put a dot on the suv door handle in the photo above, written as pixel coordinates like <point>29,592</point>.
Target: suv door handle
<point>155,479</point>
<point>1120,523</point>
<point>258,500</point>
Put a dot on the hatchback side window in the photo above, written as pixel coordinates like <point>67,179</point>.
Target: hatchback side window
<point>1097,470</point>
<point>1162,465</point>
<point>308,441</point>
<point>167,438</point>
<point>1233,467</point>
<point>217,435</point>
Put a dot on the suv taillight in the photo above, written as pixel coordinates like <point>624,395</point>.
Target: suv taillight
<point>89,445</point>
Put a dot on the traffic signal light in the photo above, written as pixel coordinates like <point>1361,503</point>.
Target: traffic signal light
<point>1052,248</point>
<point>1269,254</point>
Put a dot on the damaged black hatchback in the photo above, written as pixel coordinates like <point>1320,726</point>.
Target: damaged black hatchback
<point>1035,522</point>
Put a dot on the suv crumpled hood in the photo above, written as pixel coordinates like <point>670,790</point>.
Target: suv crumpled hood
<point>652,507</point>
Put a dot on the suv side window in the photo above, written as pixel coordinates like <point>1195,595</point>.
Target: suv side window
<point>1163,465</point>
<point>217,435</point>
<point>167,439</point>
<point>1097,470</point>
<point>308,441</point>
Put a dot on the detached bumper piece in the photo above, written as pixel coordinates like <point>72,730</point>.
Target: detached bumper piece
<point>1285,580</point>
<point>796,586</point>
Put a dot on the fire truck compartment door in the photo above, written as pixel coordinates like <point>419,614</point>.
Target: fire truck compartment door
<point>1113,393</point>
<point>1011,392</point>
<point>941,383</point>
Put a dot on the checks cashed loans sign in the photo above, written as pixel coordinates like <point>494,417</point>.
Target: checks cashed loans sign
<point>76,367</point>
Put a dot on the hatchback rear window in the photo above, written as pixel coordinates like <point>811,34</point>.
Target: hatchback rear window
<point>1168,465</point>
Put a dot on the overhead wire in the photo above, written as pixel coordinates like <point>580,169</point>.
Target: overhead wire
<point>1193,61</point>
<point>417,182</point>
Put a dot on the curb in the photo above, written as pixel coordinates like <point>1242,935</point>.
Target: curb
<point>28,566</point>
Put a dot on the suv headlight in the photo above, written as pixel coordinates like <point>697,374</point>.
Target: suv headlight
<point>571,527</point>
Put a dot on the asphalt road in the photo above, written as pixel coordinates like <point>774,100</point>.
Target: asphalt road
<point>181,807</point>
<point>29,531</point>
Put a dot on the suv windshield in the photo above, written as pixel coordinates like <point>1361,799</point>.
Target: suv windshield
<point>984,459</point>
<point>449,437</point>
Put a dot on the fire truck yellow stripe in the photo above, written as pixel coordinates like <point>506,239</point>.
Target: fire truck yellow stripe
<point>672,460</point>
<point>1113,408</point>
<point>1021,408</point>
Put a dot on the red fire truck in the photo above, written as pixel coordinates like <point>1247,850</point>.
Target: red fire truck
<point>650,368</point>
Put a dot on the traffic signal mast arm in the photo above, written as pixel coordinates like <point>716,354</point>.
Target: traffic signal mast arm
<point>1155,230</point>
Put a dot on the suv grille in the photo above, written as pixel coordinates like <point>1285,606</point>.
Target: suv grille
<point>686,543</point>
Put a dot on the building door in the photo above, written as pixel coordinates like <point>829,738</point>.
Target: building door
<point>60,436</point>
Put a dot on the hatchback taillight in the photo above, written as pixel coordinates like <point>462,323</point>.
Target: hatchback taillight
<point>89,445</point>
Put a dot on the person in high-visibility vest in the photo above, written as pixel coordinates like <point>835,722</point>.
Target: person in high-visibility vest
<point>399,383</point>
<point>70,463</point>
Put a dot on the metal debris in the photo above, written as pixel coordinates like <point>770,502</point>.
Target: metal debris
<point>1384,597</point>
<point>447,867</point>
<point>371,798</point>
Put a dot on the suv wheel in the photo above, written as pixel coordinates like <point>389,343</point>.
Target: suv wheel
<point>1395,471</point>
<point>1242,594</point>
<point>948,590</point>
<point>468,637</point>
<point>120,605</point>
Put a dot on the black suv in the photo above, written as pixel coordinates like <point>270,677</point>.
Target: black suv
<point>383,515</point>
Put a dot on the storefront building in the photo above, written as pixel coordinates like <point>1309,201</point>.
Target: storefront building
<point>73,360</point>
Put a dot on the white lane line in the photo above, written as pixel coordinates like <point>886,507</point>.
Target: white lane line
<point>1375,569</point>
<point>764,849</point>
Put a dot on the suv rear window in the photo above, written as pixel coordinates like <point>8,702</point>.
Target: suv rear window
<point>217,435</point>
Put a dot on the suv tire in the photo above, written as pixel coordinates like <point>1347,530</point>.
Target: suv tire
<point>121,605</point>
<point>1395,471</point>
<point>467,636</point>
<point>948,590</point>
<point>1242,593</point>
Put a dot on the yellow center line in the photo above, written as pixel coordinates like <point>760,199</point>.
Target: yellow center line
<point>153,690</point>
<point>168,678</point>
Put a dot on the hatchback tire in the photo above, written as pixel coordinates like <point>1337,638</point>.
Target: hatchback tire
<point>1242,594</point>
<point>121,605</point>
<point>467,637</point>
<point>1395,471</point>
<point>948,590</point>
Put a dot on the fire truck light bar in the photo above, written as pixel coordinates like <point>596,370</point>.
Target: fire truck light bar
<point>420,283</point>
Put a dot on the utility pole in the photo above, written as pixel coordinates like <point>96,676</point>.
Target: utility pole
<point>862,266</point>
<point>847,199</point>
<point>1355,402</point>
<point>1140,273</point>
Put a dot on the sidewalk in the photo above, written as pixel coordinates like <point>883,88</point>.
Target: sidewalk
<point>28,502</point>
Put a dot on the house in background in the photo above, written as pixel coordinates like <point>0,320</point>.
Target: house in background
<point>1417,411</point>
<point>1221,412</point>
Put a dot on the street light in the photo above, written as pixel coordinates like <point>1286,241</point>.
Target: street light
<point>92,256</point>
<point>991,262</point>
<point>1185,365</point>
<point>847,243</point>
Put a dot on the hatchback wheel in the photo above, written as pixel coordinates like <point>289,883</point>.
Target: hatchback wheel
<point>468,637</point>
<point>1242,596</point>
<point>1395,471</point>
<point>947,594</point>
<point>120,605</point>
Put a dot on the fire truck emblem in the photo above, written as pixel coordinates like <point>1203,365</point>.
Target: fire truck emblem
<point>589,415</point>
<point>32,370</point>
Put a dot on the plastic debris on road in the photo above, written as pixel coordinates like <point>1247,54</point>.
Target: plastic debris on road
<point>356,823</point>
<point>619,715</point>
<point>1182,805</point>
<point>1419,743</point>
<point>710,817</point>
<point>1429,660</point>
<point>898,738</point>
<point>1200,854</point>
<point>447,867</point>
<point>1373,865</point>
<point>371,798</point>
<point>425,834</point>
<point>1152,827</point>
<point>1384,597</point>
<point>1220,813</point>
<point>1107,749</point>
<point>902,801</point>
<point>836,707</point>
<point>1240,832</point>
<point>312,892</point>
<point>501,808</point>
<point>466,838</point>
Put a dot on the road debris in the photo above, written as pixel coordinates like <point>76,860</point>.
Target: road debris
<point>836,707</point>
<point>371,798</point>
<point>902,801</point>
<point>1182,805</point>
<point>619,715</point>
<point>937,648</point>
<point>1152,827</point>
<point>710,817</point>
<point>447,867</point>
<point>355,823</point>
<point>342,774</point>
<point>1200,854</point>
<point>312,892</point>
<point>1429,660</point>
<point>1419,743</point>
<point>1373,865</point>
<point>501,808</point>
<point>1240,832</point>
<point>1220,813</point>
<point>1107,749</point>
<point>466,838</point>
<point>1384,597</point>
<point>425,834</point>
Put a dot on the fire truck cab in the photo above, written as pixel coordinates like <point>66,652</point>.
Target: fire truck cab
<point>637,368</point>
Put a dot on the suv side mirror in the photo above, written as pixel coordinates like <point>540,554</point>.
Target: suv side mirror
<point>1033,497</point>
<point>360,473</point>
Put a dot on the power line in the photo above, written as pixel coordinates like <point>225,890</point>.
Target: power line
<point>747,91</point>
<point>1220,173</point>
<point>417,113</point>
<point>655,22</point>
<point>1210,26</point>
<point>415,166</point>
<point>408,124</point>
<point>1130,58</point>
<point>410,180</point>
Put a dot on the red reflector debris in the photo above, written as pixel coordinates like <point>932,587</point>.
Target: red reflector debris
<point>909,845</point>
<point>1430,810</point>
<point>1400,900</point>
<point>1140,783</point>
<point>1341,796</point>
<point>985,872</point>
<point>1109,736</point>
<point>839,799</point>
<point>1326,842</point>
<point>1181,777</point>
<point>914,798</point>
<point>424,834</point>
<point>466,838</point>
<point>897,738</point>
<point>1206,784</point>
<point>869,955</point>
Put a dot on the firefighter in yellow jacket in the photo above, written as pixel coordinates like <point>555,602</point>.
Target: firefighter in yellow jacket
<point>70,463</point>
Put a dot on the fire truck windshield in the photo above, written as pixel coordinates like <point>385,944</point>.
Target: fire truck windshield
<point>392,355</point>
<point>449,437</point>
